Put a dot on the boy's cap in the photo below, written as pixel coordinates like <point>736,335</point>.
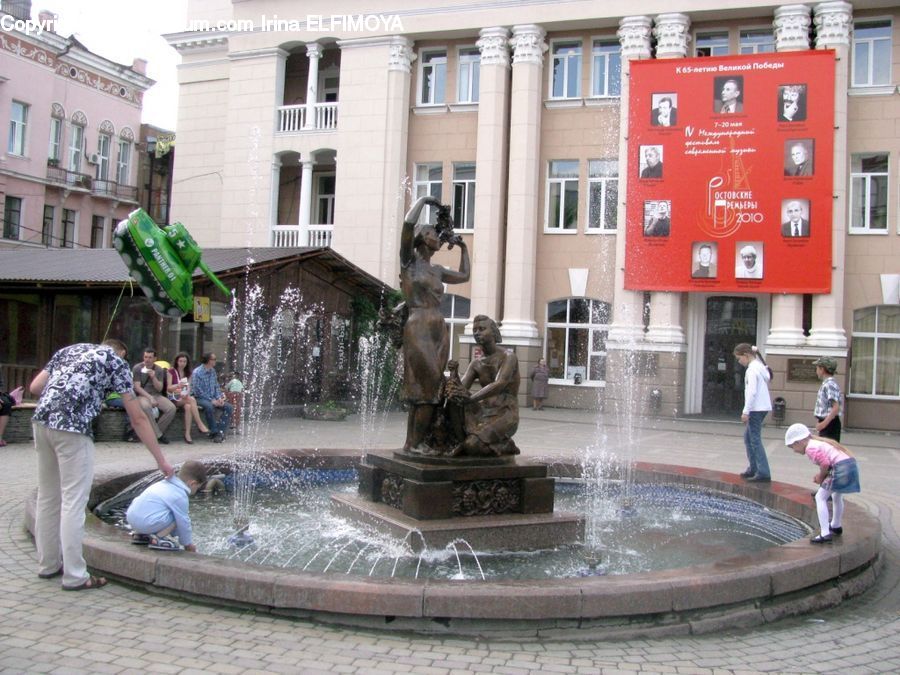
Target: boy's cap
<point>796,432</point>
<point>828,363</point>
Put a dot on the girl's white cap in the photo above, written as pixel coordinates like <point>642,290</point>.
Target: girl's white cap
<point>795,432</point>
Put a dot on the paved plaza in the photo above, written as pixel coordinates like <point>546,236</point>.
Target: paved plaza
<point>120,630</point>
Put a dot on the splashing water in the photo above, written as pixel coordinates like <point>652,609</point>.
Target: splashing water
<point>264,340</point>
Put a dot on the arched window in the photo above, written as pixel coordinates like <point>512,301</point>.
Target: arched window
<point>456,310</point>
<point>576,333</point>
<point>76,141</point>
<point>57,124</point>
<point>875,369</point>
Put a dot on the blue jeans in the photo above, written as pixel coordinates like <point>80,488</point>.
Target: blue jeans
<point>209,411</point>
<point>756,451</point>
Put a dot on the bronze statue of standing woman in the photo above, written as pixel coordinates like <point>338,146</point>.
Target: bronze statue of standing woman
<point>426,341</point>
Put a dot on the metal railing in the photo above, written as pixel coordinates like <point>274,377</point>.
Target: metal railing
<point>297,119</point>
<point>110,188</point>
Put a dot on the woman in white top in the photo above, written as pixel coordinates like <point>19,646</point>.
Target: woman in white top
<point>757,405</point>
<point>178,389</point>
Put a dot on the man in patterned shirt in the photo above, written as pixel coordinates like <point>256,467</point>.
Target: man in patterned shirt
<point>829,401</point>
<point>72,387</point>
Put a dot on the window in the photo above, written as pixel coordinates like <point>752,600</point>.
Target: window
<point>606,78</point>
<point>562,195</point>
<point>467,81</point>
<point>325,200</point>
<point>12,217</point>
<point>18,121</point>
<point>868,193</point>
<point>455,309</point>
<point>576,339</point>
<point>98,224</point>
<point>68,228</point>
<point>47,226</point>
<point>76,148</point>
<point>104,143</point>
<point>54,152</point>
<point>464,195</point>
<point>123,163</point>
<point>761,41</point>
<point>871,53</point>
<point>875,370</point>
<point>603,194</point>
<point>433,77</point>
<point>711,44</point>
<point>428,181</point>
<point>566,79</point>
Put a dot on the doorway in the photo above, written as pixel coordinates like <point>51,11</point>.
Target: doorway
<point>730,320</point>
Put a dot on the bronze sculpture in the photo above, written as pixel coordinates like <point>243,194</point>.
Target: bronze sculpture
<point>445,419</point>
<point>426,343</point>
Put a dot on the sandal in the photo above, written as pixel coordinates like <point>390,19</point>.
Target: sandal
<point>91,583</point>
<point>50,575</point>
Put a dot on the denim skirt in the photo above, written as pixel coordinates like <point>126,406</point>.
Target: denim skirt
<point>845,476</point>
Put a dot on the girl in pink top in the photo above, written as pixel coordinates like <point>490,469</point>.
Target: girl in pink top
<point>837,474</point>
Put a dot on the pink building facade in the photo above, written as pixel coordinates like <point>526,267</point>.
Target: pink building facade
<point>69,155</point>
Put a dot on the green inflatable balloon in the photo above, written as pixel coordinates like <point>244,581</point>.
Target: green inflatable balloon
<point>162,261</point>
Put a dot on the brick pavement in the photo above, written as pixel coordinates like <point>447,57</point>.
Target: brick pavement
<point>120,630</point>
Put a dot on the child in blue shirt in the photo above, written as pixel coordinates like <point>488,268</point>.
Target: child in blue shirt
<point>160,512</point>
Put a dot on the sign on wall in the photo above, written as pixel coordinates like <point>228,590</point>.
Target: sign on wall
<point>730,185</point>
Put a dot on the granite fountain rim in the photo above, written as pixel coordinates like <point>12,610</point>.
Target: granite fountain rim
<point>744,590</point>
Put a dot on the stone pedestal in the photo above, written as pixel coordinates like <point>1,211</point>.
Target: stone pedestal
<point>492,503</point>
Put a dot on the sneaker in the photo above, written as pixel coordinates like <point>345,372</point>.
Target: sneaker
<point>759,479</point>
<point>130,437</point>
<point>140,539</point>
<point>164,544</point>
<point>819,539</point>
<point>219,437</point>
<point>162,440</point>
<point>836,531</point>
<point>745,474</point>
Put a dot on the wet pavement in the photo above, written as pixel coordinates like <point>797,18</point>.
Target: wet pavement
<point>121,630</point>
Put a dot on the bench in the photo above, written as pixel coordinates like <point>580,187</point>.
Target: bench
<point>110,425</point>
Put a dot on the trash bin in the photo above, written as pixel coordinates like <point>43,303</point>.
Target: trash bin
<point>655,400</point>
<point>779,406</point>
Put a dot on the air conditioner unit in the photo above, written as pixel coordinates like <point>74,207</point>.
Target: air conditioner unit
<point>93,158</point>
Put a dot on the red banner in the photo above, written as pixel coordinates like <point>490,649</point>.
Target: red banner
<point>730,173</point>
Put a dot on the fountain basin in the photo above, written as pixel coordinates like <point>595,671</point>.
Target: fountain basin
<point>739,591</point>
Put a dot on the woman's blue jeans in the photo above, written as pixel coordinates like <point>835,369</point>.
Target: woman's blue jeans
<point>756,451</point>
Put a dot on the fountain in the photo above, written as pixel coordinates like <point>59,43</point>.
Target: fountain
<point>456,496</point>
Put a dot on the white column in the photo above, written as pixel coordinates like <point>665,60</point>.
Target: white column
<point>306,174</point>
<point>522,219</point>
<point>833,23</point>
<point>313,53</point>
<point>672,33</point>
<point>627,322</point>
<point>396,136</point>
<point>491,154</point>
<point>791,34</point>
<point>275,181</point>
<point>791,28</point>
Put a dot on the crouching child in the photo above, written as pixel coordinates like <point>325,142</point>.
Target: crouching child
<point>160,513</point>
<point>838,475</point>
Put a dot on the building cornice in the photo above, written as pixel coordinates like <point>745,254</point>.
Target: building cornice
<point>76,64</point>
<point>197,41</point>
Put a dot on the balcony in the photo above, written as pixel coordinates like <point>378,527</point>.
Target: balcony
<point>107,188</point>
<point>295,119</point>
<point>290,236</point>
